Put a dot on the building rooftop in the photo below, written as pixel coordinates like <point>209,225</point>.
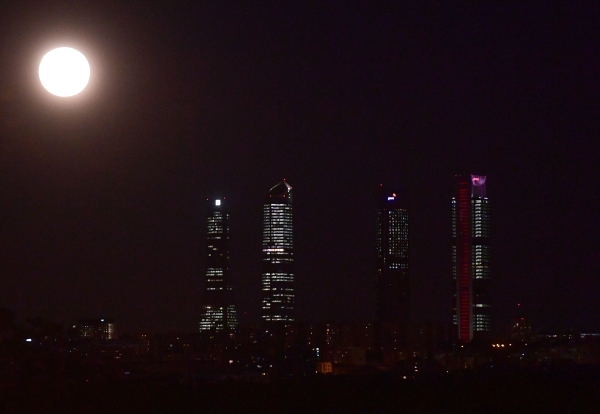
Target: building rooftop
<point>281,190</point>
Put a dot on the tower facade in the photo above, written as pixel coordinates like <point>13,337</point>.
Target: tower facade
<point>471,257</point>
<point>218,308</point>
<point>392,273</point>
<point>278,256</point>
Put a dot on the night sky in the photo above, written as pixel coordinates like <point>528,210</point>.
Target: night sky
<point>102,196</point>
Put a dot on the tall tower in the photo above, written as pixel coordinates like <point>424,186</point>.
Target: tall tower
<point>278,256</point>
<point>471,257</point>
<point>392,281</point>
<point>218,308</point>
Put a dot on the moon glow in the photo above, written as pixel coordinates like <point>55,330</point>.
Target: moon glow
<point>64,72</point>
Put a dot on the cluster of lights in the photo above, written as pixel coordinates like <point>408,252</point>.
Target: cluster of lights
<point>499,345</point>
<point>471,256</point>
<point>277,249</point>
<point>216,314</point>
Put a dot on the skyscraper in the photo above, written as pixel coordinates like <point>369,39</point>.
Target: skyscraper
<point>218,308</point>
<point>471,257</point>
<point>102,329</point>
<point>278,256</point>
<point>392,273</point>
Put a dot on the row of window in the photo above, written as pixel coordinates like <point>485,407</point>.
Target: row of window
<point>279,278</point>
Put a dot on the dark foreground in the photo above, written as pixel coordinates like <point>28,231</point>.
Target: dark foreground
<point>574,390</point>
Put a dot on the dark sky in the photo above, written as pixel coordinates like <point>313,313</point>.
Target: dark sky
<point>102,196</point>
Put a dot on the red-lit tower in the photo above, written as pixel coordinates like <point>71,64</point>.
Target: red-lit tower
<point>471,257</point>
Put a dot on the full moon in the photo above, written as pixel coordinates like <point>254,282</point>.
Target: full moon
<point>64,72</point>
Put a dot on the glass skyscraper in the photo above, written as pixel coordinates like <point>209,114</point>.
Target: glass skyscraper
<point>392,272</point>
<point>278,256</point>
<point>471,257</point>
<point>218,308</point>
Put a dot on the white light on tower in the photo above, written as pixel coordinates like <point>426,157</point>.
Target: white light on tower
<point>217,202</point>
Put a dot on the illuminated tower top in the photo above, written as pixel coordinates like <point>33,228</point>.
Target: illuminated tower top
<point>478,186</point>
<point>280,194</point>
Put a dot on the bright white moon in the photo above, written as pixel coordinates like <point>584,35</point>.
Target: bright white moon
<point>64,72</point>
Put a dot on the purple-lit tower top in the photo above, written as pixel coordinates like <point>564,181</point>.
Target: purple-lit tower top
<point>478,186</point>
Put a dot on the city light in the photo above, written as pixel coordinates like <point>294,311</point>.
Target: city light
<point>218,310</point>
<point>277,248</point>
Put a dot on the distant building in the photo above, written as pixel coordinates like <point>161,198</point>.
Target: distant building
<point>278,256</point>
<point>346,356</point>
<point>519,328</point>
<point>324,368</point>
<point>218,306</point>
<point>392,273</point>
<point>102,329</point>
<point>329,335</point>
<point>471,257</point>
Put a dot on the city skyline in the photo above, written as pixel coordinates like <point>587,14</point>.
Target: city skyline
<point>102,195</point>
